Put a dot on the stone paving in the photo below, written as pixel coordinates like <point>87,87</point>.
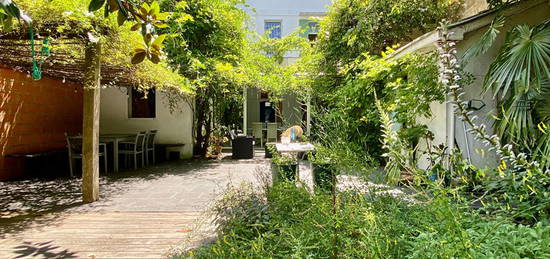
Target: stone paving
<point>141,214</point>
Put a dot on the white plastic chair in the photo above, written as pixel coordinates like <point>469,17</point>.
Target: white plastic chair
<point>258,132</point>
<point>134,148</point>
<point>150,145</point>
<point>271,132</point>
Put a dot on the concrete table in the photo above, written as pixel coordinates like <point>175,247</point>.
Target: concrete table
<point>294,148</point>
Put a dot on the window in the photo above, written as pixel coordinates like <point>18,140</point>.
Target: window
<point>273,29</point>
<point>309,29</point>
<point>142,104</point>
<point>267,112</point>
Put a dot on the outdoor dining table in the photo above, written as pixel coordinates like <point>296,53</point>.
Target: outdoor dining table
<point>115,139</point>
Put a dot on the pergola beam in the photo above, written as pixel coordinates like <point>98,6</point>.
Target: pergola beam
<point>90,125</point>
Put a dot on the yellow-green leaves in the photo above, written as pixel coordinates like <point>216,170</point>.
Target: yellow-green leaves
<point>157,43</point>
<point>542,127</point>
<point>223,66</point>
<point>6,22</point>
<point>147,18</point>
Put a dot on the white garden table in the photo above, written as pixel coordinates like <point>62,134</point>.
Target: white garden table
<point>294,148</point>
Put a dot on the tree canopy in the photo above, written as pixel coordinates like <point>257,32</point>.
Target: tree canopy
<point>64,22</point>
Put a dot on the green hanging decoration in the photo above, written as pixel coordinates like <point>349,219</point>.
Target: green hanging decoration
<point>45,47</point>
<point>44,52</point>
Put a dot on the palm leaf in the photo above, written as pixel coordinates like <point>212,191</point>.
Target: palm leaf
<point>517,124</point>
<point>542,107</point>
<point>542,110</point>
<point>524,59</point>
<point>486,41</point>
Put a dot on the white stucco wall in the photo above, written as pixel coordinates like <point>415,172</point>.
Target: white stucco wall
<point>173,128</point>
<point>473,7</point>
<point>437,124</point>
<point>288,12</point>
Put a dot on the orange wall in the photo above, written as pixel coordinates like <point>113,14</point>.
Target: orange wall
<point>34,116</point>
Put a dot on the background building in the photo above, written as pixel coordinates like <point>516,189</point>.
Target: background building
<point>279,18</point>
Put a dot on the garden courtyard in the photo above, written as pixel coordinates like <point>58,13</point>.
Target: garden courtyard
<point>141,214</point>
<point>150,213</point>
<point>274,129</point>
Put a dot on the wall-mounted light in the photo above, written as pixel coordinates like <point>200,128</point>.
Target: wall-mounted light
<point>476,104</point>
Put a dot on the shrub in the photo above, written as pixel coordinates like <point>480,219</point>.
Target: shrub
<point>288,222</point>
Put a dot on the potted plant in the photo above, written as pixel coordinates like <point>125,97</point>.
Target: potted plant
<point>216,143</point>
<point>285,167</point>
<point>270,150</point>
<point>324,168</point>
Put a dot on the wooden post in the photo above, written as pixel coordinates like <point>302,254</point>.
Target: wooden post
<point>90,127</point>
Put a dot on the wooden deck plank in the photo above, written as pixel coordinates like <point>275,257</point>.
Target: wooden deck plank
<point>103,235</point>
<point>113,242</point>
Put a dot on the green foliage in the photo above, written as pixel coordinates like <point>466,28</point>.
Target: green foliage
<point>242,212</point>
<point>399,156</point>
<point>288,222</point>
<point>474,237</point>
<point>486,41</point>
<point>523,60</point>
<point>349,70</point>
<point>406,88</point>
<point>263,65</point>
<point>520,75</point>
<point>147,18</point>
<point>354,27</point>
<point>206,44</point>
<point>283,159</point>
<point>62,19</point>
<point>521,191</point>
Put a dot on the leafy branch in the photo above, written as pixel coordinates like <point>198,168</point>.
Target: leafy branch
<point>8,11</point>
<point>147,18</point>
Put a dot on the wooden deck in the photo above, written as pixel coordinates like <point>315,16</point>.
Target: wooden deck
<point>141,214</point>
<point>103,235</point>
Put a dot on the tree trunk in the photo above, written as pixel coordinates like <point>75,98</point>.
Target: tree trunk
<point>203,128</point>
<point>90,126</point>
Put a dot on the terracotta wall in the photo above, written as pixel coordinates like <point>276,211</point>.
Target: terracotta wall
<point>34,116</point>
